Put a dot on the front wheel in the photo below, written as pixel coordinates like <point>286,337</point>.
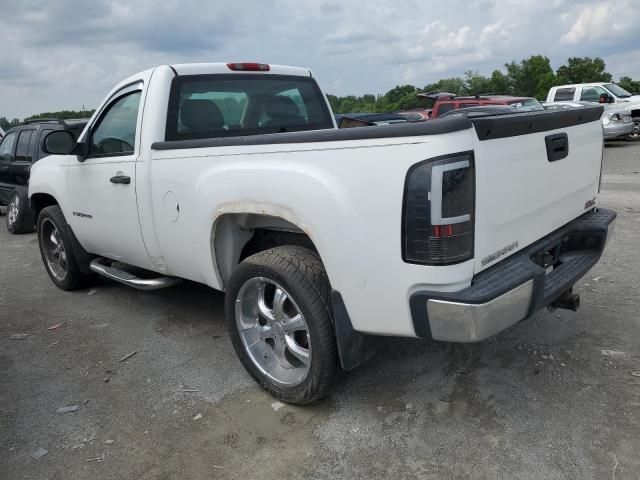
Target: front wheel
<point>19,217</point>
<point>58,251</point>
<point>278,315</point>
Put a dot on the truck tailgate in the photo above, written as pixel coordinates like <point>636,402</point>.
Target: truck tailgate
<point>525,190</point>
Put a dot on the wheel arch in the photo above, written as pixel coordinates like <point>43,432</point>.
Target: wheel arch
<point>39,201</point>
<point>238,233</point>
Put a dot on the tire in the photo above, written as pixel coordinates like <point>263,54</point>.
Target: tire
<point>635,135</point>
<point>301,277</point>
<point>68,275</point>
<point>19,218</point>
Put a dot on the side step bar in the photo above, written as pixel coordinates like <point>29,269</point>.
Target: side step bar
<point>97,265</point>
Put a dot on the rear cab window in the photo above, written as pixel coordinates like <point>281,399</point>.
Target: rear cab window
<point>564,94</point>
<point>212,106</point>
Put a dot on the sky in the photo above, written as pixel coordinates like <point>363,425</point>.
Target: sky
<point>66,54</point>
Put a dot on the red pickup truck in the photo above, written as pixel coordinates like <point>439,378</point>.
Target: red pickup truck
<point>445,102</point>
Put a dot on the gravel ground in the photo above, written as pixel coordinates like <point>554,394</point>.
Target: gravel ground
<point>538,401</point>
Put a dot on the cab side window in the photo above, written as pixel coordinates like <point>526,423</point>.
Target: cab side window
<point>115,133</point>
<point>6,147</point>
<point>445,107</point>
<point>591,94</point>
<point>23,152</point>
<point>564,94</point>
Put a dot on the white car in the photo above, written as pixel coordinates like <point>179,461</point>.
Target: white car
<point>235,176</point>
<point>603,93</point>
<point>616,122</point>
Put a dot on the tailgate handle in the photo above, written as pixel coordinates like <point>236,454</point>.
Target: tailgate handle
<point>557,146</point>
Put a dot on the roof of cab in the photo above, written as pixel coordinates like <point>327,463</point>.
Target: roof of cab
<point>218,68</point>
<point>586,84</point>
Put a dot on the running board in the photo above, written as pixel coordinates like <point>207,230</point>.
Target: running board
<point>130,279</point>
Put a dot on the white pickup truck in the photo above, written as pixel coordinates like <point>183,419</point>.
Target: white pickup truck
<point>236,176</point>
<point>606,93</point>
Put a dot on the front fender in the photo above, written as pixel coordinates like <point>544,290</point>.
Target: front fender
<point>47,176</point>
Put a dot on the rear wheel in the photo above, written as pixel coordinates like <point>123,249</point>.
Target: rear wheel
<point>279,318</point>
<point>19,218</point>
<point>57,250</point>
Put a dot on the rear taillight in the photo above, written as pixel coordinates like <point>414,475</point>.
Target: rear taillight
<point>249,67</point>
<point>438,211</point>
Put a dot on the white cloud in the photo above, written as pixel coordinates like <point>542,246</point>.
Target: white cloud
<point>604,21</point>
<point>67,53</point>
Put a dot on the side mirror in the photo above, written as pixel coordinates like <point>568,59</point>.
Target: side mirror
<point>59,142</point>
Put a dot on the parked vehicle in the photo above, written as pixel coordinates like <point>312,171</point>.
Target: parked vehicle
<point>616,122</point>
<point>445,102</point>
<point>322,238</point>
<point>603,93</point>
<point>416,115</point>
<point>372,118</point>
<point>20,148</point>
<point>479,111</point>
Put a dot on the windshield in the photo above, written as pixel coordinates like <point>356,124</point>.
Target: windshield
<point>528,104</point>
<point>617,90</point>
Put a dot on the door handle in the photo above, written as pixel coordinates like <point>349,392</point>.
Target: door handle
<point>123,179</point>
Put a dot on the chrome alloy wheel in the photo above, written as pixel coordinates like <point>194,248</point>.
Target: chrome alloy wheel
<point>12,210</point>
<point>273,331</point>
<point>53,250</point>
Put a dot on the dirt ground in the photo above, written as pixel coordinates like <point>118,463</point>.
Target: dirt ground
<point>538,401</point>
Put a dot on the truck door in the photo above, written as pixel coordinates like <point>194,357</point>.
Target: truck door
<point>21,163</point>
<point>103,210</point>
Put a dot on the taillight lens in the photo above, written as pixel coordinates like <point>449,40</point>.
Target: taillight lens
<point>438,209</point>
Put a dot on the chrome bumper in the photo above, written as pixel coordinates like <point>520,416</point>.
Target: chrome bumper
<point>516,287</point>
<point>464,322</point>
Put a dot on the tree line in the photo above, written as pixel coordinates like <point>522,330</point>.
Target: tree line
<point>6,124</point>
<point>531,77</point>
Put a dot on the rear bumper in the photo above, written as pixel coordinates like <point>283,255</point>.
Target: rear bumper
<point>516,287</point>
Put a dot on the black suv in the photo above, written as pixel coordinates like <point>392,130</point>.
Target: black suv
<point>19,149</point>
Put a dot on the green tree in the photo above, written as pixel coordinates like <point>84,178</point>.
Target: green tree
<point>451,85</point>
<point>629,84</point>
<point>6,124</point>
<point>582,70</point>
<point>532,77</point>
<point>62,115</point>
<point>476,84</point>
<point>500,83</point>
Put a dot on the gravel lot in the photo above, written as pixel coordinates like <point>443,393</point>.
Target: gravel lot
<point>538,401</point>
